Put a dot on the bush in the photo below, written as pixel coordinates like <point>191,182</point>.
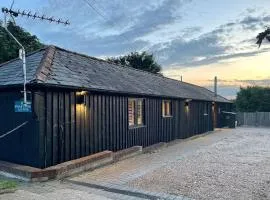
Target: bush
<point>252,99</point>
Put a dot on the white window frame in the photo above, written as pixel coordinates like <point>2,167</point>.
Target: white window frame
<point>138,112</point>
<point>166,112</point>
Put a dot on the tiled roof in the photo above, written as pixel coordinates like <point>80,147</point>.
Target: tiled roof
<point>11,73</point>
<point>59,67</point>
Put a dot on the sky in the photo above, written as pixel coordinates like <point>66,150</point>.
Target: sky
<point>195,39</point>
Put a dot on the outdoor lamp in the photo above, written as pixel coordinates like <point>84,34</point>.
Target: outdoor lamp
<point>80,97</point>
<point>187,102</point>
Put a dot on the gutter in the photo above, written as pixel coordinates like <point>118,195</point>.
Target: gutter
<point>35,85</point>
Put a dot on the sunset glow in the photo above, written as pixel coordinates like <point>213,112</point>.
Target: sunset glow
<point>195,39</point>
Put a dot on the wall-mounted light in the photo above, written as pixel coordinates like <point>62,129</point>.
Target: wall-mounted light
<point>187,105</point>
<point>213,105</point>
<point>80,97</point>
<point>187,102</point>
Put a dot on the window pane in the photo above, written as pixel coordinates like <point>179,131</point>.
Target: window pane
<point>168,109</point>
<point>163,108</point>
<point>131,112</point>
<point>140,112</point>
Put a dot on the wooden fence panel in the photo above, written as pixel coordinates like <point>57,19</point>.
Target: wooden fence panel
<point>254,119</point>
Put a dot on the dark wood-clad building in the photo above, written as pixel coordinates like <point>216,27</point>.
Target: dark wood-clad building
<point>83,105</point>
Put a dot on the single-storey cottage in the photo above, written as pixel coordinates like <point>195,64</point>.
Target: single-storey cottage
<point>81,105</point>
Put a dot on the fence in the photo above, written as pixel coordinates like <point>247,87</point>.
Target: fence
<point>253,119</point>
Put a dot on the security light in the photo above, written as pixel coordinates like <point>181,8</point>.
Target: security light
<point>80,97</point>
<point>187,101</point>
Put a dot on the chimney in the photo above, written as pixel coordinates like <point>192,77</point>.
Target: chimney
<point>215,86</point>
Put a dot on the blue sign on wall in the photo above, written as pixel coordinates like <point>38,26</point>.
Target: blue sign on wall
<point>20,106</point>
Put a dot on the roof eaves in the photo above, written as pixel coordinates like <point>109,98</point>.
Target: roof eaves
<point>44,70</point>
<point>79,88</point>
<point>201,87</point>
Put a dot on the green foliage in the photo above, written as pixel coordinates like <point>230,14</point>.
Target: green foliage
<point>142,61</point>
<point>9,48</point>
<point>5,184</point>
<point>252,99</point>
<point>263,35</point>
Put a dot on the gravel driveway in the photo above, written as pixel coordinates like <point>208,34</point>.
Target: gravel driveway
<point>228,164</point>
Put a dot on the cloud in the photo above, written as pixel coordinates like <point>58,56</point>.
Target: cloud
<point>255,82</point>
<point>252,23</point>
<point>150,20</point>
<point>181,35</point>
<point>117,27</point>
<point>181,52</point>
<point>231,40</point>
<point>229,88</point>
<point>108,27</point>
<point>227,91</point>
<point>250,20</point>
<point>240,82</point>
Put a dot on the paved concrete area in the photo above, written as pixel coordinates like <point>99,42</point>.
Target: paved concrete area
<point>227,164</point>
<point>59,190</point>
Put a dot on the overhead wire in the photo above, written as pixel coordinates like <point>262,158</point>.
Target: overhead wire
<point>112,24</point>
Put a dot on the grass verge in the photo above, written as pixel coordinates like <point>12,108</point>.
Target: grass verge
<point>6,184</point>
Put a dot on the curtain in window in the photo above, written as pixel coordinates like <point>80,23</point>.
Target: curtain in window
<point>140,112</point>
<point>166,108</point>
<point>131,112</point>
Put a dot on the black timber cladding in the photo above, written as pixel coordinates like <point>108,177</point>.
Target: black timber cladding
<point>20,146</point>
<point>102,124</point>
<point>60,129</point>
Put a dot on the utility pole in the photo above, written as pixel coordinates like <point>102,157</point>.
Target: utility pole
<point>215,86</point>
<point>22,54</point>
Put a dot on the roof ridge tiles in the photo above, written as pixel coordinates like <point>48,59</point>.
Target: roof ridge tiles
<point>131,68</point>
<point>45,65</point>
<point>49,66</point>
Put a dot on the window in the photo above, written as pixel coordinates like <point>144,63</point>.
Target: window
<point>139,112</point>
<point>135,112</point>
<point>131,112</point>
<point>166,108</point>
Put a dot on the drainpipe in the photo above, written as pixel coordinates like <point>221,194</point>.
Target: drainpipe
<point>22,56</point>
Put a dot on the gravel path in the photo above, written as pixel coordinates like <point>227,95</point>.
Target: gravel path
<point>235,166</point>
<point>227,164</point>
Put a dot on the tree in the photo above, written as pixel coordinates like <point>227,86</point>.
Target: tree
<point>263,35</point>
<point>142,61</point>
<point>252,99</point>
<point>9,48</point>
